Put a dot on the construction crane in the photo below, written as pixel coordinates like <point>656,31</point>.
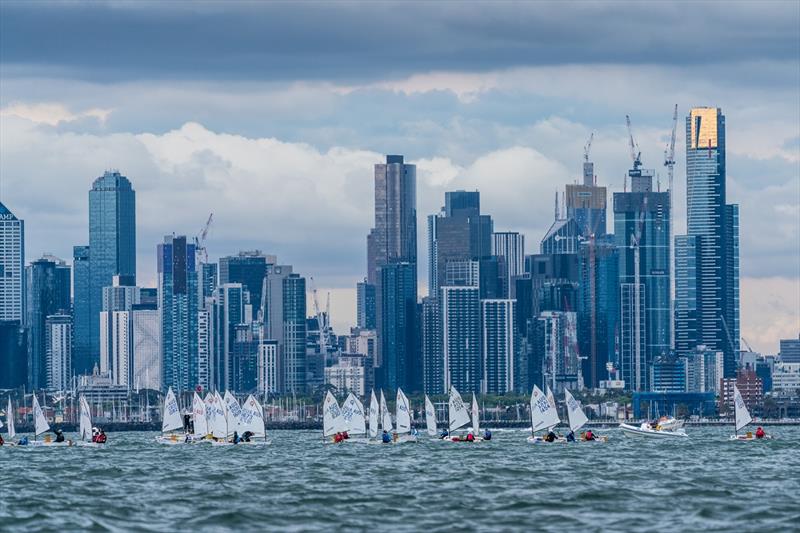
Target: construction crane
<point>669,162</point>
<point>588,147</point>
<point>636,239</point>
<point>747,344</point>
<point>323,334</point>
<point>200,239</point>
<point>636,154</point>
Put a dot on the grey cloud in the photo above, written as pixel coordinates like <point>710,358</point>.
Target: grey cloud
<point>362,41</point>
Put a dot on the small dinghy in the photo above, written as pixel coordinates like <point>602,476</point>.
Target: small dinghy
<point>251,427</point>
<point>41,426</point>
<point>742,418</point>
<point>353,413</point>
<point>577,419</point>
<point>430,417</point>
<point>85,427</point>
<point>333,422</point>
<point>459,417</point>
<point>544,416</point>
<point>171,420</point>
<point>404,431</point>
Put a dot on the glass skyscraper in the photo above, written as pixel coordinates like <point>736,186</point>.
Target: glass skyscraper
<point>400,365</point>
<point>12,260</point>
<point>112,245</point>
<point>708,312</point>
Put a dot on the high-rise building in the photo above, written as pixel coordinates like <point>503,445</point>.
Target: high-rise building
<point>248,268</point>
<point>790,350</point>
<point>286,324</point>
<point>708,313</point>
<point>460,314</point>
<point>365,305</point>
<point>228,312</point>
<point>58,343</point>
<point>586,203</point>
<point>13,355</point>
<point>433,380</point>
<point>685,304</point>
<point>112,245</point>
<point>178,302</point>
<point>244,359</point>
<point>81,311</point>
<point>499,346</point>
<point>12,260</point>
<point>116,338</point>
<point>208,280</point>
<point>268,367</point>
<point>510,246</point>
<point>556,351</point>
<point>47,293</point>
<point>641,224</point>
<point>399,364</point>
<point>394,237</point>
<point>147,361</point>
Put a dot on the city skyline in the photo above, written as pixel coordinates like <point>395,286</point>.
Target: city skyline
<point>312,143</point>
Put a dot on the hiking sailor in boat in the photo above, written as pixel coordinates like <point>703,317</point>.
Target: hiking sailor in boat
<point>760,434</point>
<point>386,438</point>
<point>101,437</point>
<point>60,436</point>
<point>589,435</point>
<point>444,434</point>
<point>571,436</point>
<point>551,436</point>
<point>487,435</point>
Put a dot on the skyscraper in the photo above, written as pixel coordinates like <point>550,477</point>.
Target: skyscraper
<point>394,237</point>
<point>178,302</point>
<point>12,260</point>
<point>58,344</point>
<point>249,269</point>
<point>116,337</point>
<point>586,203</point>
<point>460,311</point>
<point>713,316</point>
<point>641,220</point>
<point>432,359</point>
<point>499,346</point>
<point>147,362</point>
<point>13,355</point>
<point>47,293</point>
<point>112,244</point>
<point>365,305</point>
<point>81,311</point>
<point>228,312</point>
<point>510,247</point>
<point>397,331</point>
<point>286,324</point>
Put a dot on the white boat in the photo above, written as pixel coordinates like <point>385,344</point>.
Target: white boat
<point>251,420</point>
<point>742,418</point>
<point>41,426</point>
<point>647,431</point>
<point>170,421</point>
<point>373,416</point>
<point>332,419</point>
<point>430,417</point>
<point>578,419</point>
<point>544,415</point>
<point>458,417</point>
<point>85,426</point>
<point>10,422</point>
<point>403,420</point>
<point>353,413</point>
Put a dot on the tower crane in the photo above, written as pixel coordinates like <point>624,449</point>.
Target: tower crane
<point>636,154</point>
<point>323,334</point>
<point>747,344</point>
<point>588,147</point>
<point>200,239</point>
<point>669,162</point>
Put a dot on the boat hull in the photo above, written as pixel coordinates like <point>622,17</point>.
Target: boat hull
<point>44,444</point>
<point>84,444</point>
<point>171,440</point>
<point>749,438</point>
<point>634,431</point>
<point>535,439</point>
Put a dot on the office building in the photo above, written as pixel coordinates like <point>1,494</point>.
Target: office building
<point>227,313</point>
<point>642,224</point>
<point>286,324</point>
<point>499,347</point>
<point>751,388</point>
<point>47,293</point>
<point>58,344</point>
<point>460,315</point>
<point>365,305</point>
<point>668,374</point>
<point>399,364</point>
<point>786,378</point>
<point>556,349</point>
<point>178,303</point>
<point>112,251</point>
<point>81,311</point>
<point>790,350</point>
<point>13,355</point>
<point>12,260</point>
<point>685,304</point>
<point>147,360</point>
<point>249,269</point>
<point>704,370</point>
<point>351,373</point>
<point>244,360</point>
<point>510,247</point>
<point>116,339</point>
<point>433,380</point>
<point>209,282</point>
<point>713,312</point>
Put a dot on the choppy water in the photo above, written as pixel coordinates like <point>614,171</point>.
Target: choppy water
<point>297,483</point>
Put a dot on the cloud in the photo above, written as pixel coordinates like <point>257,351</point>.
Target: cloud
<point>52,114</point>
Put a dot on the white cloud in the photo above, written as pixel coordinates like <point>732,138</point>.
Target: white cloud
<point>52,113</point>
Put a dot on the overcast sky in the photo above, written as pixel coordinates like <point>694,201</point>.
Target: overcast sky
<point>271,115</point>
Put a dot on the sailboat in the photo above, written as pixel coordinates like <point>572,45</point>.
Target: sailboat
<point>403,420</point>
<point>41,426</point>
<point>353,413</point>
<point>215,415</point>
<point>170,421</point>
<point>85,425</point>
<point>577,418</point>
<point>373,416</point>
<point>199,419</point>
<point>742,418</point>
<point>457,414</point>
<point>251,420</point>
<point>332,419</point>
<point>430,417</point>
<point>543,415</point>
<point>386,418</point>
<point>10,423</point>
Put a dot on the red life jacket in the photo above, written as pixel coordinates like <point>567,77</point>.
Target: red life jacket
<point>101,439</point>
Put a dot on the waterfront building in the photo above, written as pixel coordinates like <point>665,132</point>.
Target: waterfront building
<point>510,247</point>
<point>178,303</point>
<point>365,305</point>
<point>499,347</point>
<point>112,251</point>
<point>58,342</point>
<point>786,378</point>
<point>47,282</point>
<point>751,387</point>
<point>708,313</point>
<point>668,374</point>
<point>12,260</point>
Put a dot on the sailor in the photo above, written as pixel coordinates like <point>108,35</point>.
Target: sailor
<point>550,437</point>
<point>101,437</point>
<point>246,436</point>
<point>1,440</point>
<point>345,435</point>
<point>443,434</point>
<point>571,436</point>
<point>95,433</point>
<point>470,437</point>
<point>236,437</point>
<point>760,433</point>
<point>23,441</point>
<point>589,435</point>
<point>386,437</point>
<point>487,435</point>
<point>59,436</point>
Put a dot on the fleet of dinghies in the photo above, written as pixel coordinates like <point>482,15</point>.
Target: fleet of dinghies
<point>222,421</point>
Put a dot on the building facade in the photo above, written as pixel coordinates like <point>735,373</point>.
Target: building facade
<point>460,312</point>
<point>147,360</point>
<point>58,340</point>
<point>510,247</point>
<point>12,260</point>
<point>499,346</point>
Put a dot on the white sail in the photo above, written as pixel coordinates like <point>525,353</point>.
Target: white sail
<point>232,412</point>
<point>740,409</point>
<point>476,423</point>
<point>40,421</point>
<point>386,418</point>
<point>457,410</point>
<point>402,413</point>
<point>200,421</point>
<point>10,420</point>
<point>215,412</point>
<point>251,418</point>
<point>430,416</point>
<point>543,413</point>
<point>85,427</point>
<point>552,400</point>
<point>577,418</point>
<point>353,413</point>
<point>332,419</point>
<point>172,415</point>
<point>373,415</point>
